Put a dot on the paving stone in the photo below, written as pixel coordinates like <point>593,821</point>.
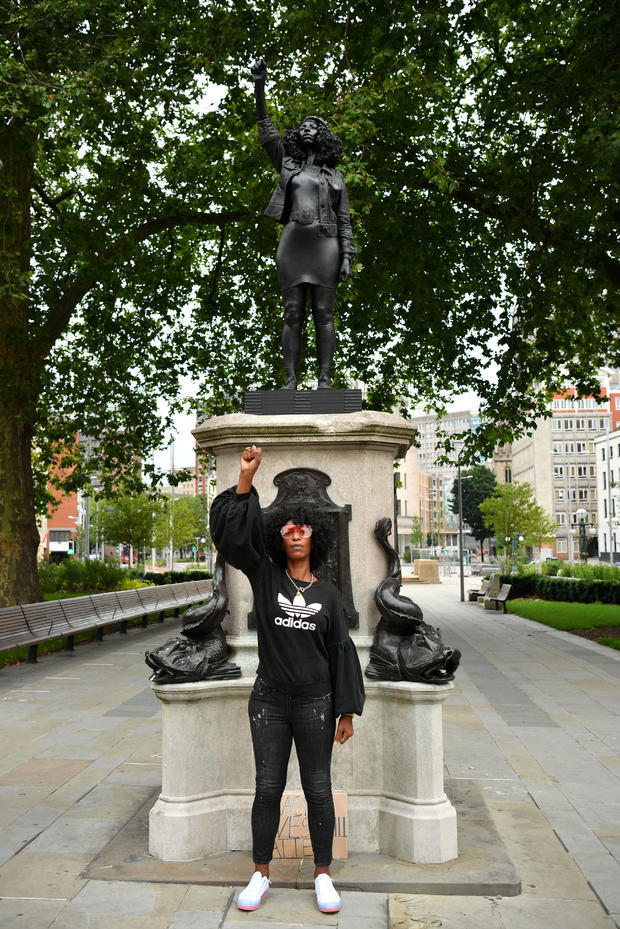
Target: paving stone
<point>529,913</point>
<point>282,908</point>
<point>77,835</point>
<point>43,772</point>
<point>110,801</point>
<point>192,920</point>
<point>29,914</point>
<point>128,898</point>
<point>573,832</point>
<point>442,912</point>
<point>204,899</point>
<point>43,874</point>
<point>540,858</point>
<point>603,874</point>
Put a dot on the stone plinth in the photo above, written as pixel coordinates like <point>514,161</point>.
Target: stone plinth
<point>357,452</point>
<point>392,770</point>
<point>426,570</point>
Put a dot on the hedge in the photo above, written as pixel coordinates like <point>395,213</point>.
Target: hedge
<point>523,585</point>
<point>562,588</point>
<point>176,577</point>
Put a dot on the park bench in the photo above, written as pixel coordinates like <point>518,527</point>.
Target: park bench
<point>33,623</point>
<point>501,597</point>
<point>474,592</point>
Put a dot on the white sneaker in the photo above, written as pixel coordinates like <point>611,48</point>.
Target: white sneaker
<point>327,898</point>
<point>251,897</point>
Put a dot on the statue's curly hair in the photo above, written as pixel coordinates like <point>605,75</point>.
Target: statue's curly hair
<point>301,514</point>
<point>329,146</point>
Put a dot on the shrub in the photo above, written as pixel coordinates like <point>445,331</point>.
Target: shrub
<point>80,576</point>
<point>176,577</point>
<point>578,591</point>
<point>522,585</point>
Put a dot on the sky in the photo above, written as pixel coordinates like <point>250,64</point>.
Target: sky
<point>184,441</point>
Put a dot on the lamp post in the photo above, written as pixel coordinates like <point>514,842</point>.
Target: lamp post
<point>583,538</point>
<point>460,493</point>
<point>514,539</point>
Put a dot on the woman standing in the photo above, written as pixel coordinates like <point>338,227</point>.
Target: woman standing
<point>316,246</point>
<point>308,672</point>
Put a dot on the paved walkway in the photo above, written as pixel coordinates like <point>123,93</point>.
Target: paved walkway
<point>534,719</point>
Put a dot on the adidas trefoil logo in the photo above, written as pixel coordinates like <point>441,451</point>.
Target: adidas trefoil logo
<point>297,612</point>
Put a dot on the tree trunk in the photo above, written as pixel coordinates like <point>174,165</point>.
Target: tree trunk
<point>19,536</point>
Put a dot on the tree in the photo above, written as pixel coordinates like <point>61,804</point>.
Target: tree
<point>181,521</point>
<point>542,528</point>
<point>128,520</point>
<point>132,249</point>
<point>417,533</point>
<point>513,511</point>
<point>477,484</point>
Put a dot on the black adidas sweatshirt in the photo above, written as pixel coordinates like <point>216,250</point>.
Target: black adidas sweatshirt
<point>304,645</point>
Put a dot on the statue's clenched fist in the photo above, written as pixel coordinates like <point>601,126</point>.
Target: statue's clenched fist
<point>258,70</point>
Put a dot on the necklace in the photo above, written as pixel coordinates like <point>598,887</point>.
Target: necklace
<point>300,590</point>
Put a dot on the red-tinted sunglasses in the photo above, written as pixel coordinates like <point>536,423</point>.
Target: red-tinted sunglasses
<point>305,531</point>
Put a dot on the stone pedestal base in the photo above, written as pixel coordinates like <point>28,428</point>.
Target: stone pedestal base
<point>427,570</point>
<point>392,770</point>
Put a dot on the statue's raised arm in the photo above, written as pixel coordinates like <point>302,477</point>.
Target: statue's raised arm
<point>316,246</point>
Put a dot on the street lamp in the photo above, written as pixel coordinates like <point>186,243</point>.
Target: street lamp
<point>460,492</point>
<point>583,540</point>
<point>514,539</point>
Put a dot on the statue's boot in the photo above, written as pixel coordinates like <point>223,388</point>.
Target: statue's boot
<point>290,382</point>
<point>325,344</point>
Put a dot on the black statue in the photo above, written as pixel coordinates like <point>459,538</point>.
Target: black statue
<point>316,247</point>
<point>405,648</point>
<point>202,655</point>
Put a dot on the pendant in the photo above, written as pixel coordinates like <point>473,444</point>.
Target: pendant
<point>298,597</point>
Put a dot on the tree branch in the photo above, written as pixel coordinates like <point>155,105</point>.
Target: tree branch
<point>59,316</point>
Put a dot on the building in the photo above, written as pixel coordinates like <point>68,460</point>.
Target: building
<point>607,448</point>
<point>440,524</point>
<point>424,487</point>
<point>501,465</point>
<point>559,461</point>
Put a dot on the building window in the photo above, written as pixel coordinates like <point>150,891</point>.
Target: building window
<point>60,535</point>
<point>605,508</point>
<point>582,470</point>
<point>560,546</point>
<point>570,448</point>
<point>602,423</point>
<point>617,403</point>
<point>569,424</point>
<point>602,453</point>
<point>557,425</point>
<point>583,494</point>
<point>559,495</point>
<point>580,425</point>
<point>592,424</point>
<point>558,448</point>
<point>604,480</point>
<point>592,494</point>
<point>582,448</point>
<point>558,471</point>
<point>507,476</point>
<point>560,518</point>
<point>592,470</point>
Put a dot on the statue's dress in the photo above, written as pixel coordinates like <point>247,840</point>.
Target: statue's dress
<point>303,256</point>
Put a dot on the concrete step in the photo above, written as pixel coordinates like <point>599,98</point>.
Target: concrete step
<point>289,909</point>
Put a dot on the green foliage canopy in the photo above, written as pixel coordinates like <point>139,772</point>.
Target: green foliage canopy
<point>477,484</point>
<point>482,153</point>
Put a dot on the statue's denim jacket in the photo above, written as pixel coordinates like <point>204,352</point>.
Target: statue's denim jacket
<point>334,217</point>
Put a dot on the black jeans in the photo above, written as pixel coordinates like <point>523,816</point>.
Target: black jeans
<point>275,720</point>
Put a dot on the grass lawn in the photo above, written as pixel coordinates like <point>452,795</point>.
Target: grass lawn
<point>610,640</point>
<point>567,616</point>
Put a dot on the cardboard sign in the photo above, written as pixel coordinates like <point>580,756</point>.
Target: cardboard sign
<point>293,836</point>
